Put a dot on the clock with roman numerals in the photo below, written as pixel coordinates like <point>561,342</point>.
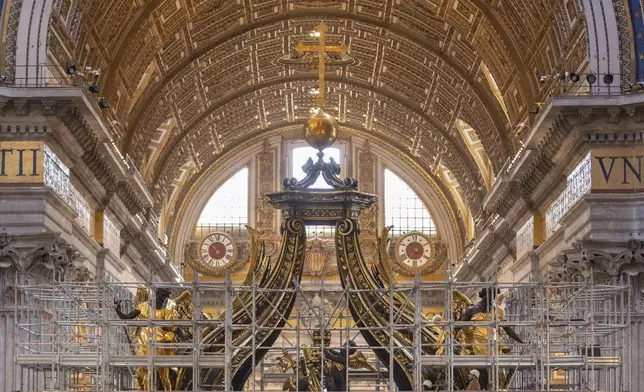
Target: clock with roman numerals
<point>217,252</point>
<point>414,252</point>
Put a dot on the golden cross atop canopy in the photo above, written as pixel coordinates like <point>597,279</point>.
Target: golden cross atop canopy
<point>322,49</point>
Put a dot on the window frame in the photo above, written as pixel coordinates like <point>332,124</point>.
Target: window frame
<point>382,209</point>
<point>250,199</point>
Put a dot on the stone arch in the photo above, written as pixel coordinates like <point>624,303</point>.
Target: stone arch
<point>27,44</point>
<point>199,192</point>
<point>603,37</point>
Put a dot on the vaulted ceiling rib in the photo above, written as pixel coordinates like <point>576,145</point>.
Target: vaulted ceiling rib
<point>211,66</point>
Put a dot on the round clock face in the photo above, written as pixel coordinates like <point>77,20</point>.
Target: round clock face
<point>217,250</point>
<point>414,250</point>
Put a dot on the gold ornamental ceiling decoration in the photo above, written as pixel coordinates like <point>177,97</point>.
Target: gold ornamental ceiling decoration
<point>306,53</point>
<point>212,65</point>
<point>321,129</point>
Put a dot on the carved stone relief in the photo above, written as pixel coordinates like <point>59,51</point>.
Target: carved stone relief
<point>602,266</point>
<point>265,184</point>
<point>9,265</point>
<point>367,183</point>
<point>320,258</point>
<point>369,250</point>
<point>40,264</point>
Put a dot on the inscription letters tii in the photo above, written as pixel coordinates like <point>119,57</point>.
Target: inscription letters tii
<point>21,162</point>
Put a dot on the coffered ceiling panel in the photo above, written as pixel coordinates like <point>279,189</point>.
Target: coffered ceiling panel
<point>213,67</point>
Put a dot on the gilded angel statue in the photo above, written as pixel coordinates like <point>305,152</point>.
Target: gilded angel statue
<point>165,309</point>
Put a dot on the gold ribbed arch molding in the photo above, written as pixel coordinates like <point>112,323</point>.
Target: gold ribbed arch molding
<point>145,12</point>
<point>464,154</point>
<point>196,192</point>
<point>484,94</point>
<point>423,162</point>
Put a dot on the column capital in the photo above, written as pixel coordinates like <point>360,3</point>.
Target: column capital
<point>587,258</point>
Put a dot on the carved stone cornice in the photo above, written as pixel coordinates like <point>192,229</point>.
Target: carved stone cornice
<point>541,158</point>
<point>95,161</point>
<point>13,130</point>
<point>499,234</point>
<point>613,137</point>
<point>151,255</point>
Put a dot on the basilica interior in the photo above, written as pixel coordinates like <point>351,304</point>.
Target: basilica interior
<point>321,195</point>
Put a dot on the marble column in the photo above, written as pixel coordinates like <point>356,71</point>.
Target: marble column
<point>9,263</point>
<point>624,264</point>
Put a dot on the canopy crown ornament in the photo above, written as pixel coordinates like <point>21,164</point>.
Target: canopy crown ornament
<point>321,130</point>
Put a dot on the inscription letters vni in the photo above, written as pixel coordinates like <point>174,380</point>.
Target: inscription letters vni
<point>617,169</point>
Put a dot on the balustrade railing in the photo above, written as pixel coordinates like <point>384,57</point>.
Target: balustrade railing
<point>587,84</point>
<point>235,230</point>
<point>57,178</point>
<point>83,210</point>
<point>53,77</point>
<point>525,238</point>
<point>56,175</point>
<point>578,184</point>
<point>111,236</point>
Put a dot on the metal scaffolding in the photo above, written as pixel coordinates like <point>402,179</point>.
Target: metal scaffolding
<point>69,338</point>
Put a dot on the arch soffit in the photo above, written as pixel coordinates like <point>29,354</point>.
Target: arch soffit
<point>482,93</point>
<point>190,209</point>
<point>199,189</point>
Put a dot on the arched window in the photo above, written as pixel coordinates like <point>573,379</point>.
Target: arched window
<point>404,209</point>
<point>227,209</point>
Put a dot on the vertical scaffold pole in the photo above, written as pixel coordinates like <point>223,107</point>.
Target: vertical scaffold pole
<point>347,331</point>
<point>297,348</point>
<point>322,310</point>
<point>16,333</point>
<point>228,332</point>
<point>104,338</point>
<point>449,330</point>
<point>418,370</point>
<point>151,342</point>
<point>628,339</point>
<point>196,331</point>
<point>254,327</point>
<point>391,331</point>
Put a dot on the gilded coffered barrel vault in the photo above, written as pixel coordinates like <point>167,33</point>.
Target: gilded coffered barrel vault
<point>321,195</point>
<point>185,81</point>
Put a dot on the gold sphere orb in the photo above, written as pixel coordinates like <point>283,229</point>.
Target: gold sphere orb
<point>321,130</point>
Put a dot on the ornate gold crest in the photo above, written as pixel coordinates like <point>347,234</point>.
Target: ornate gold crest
<point>316,257</point>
